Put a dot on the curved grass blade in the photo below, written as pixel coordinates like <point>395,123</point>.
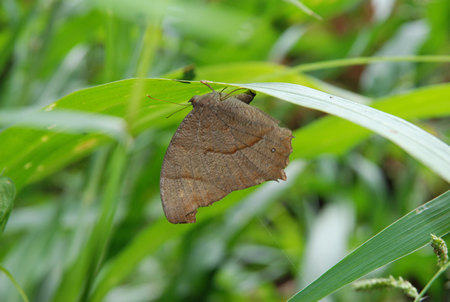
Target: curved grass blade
<point>340,135</point>
<point>29,154</point>
<point>417,142</point>
<point>401,238</point>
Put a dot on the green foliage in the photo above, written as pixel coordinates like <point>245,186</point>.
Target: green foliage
<point>7,195</point>
<point>83,145</point>
<point>440,249</point>
<point>399,239</point>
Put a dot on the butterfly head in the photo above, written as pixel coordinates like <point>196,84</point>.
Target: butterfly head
<point>206,99</point>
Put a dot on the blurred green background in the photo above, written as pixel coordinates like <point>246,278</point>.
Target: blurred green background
<point>259,244</point>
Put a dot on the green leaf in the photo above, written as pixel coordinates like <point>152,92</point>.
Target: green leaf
<point>401,238</point>
<point>30,154</point>
<point>338,135</point>
<point>417,142</point>
<point>66,121</point>
<point>7,195</point>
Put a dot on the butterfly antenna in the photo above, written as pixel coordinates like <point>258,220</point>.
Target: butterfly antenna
<point>233,91</point>
<point>206,83</point>
<point>184,105</point>
<point>176,111</point>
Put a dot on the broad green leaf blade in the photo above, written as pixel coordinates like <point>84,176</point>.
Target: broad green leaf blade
<point>29,154</point>
<point>340,135</point>
<point>401,238</point>
<point>7,195</point>
<point>66,121</point>
<point>417,142</point>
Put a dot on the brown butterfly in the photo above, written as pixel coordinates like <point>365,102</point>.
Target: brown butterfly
<point>221,146</point>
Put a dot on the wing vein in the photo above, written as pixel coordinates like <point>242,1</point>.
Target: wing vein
<point>240,150</point>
